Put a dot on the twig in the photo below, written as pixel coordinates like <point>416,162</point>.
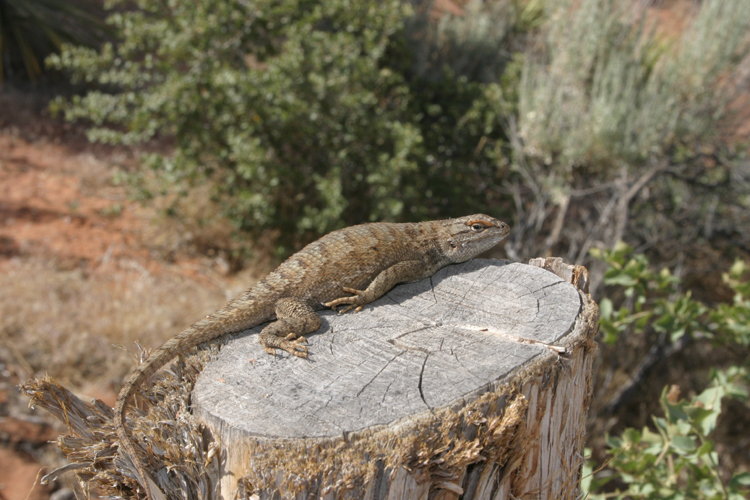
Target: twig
<point>658,353</point>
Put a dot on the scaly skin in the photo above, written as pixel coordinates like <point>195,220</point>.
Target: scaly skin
<point>362,261</point>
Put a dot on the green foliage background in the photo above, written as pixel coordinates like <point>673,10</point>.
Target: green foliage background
<point>306,115</point>
<point>678,459</point>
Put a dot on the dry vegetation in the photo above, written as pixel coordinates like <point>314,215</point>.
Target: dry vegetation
<point>85,273</point>
<point>65,323</point>
<point>83,266</point>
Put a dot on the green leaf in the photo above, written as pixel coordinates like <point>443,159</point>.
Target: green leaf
<point>683,444</point>
<point>741,479</point>
<point>621,279</point>
<point>605,308</point>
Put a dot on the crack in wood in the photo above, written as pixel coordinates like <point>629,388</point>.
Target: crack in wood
<point>365,386</point>
<point>421,375</point>
<point>513,338</point>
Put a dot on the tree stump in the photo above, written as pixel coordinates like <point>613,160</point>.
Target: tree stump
<point>473,384</point>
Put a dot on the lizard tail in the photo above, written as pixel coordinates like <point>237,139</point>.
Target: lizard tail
<point>140,375</point>
<point>236,316</point>
<point>161,357</point>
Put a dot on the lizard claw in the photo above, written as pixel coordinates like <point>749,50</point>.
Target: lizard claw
<point>349,308</point>
<point>353,301</point>
<point>291,344</point>
<point>295,347</point>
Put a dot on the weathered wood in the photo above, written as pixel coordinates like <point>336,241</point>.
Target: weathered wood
<point>441,389</point>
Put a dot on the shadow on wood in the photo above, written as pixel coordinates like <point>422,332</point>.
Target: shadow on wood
<point>451,387</point>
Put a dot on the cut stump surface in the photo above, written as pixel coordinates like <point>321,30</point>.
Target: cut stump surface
<point>388,391</point>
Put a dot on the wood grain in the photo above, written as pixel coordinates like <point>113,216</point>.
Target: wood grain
<point>449,387</point>
<point>406,353</point>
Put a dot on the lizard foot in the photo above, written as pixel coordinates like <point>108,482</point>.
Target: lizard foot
<point>295,347</point>
<point>354,301</point>
<point>291,344</point>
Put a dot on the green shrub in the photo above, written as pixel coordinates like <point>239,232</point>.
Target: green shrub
<point>307,115</point>
<point>569,118</point>
<point>675,457</point>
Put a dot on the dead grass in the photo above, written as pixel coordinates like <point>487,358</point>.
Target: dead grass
<point>190,221</point>
<point>83,267</point>
<point>65,323</point>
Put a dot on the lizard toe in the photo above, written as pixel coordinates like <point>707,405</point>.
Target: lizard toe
<point>270,350</point>
<point>346,309</point>
<point>295,347</point>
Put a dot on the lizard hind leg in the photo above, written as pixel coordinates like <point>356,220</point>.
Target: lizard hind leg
<point>294,318</point>
<point>408,270</point>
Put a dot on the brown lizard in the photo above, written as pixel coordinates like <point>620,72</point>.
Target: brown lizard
<point>364,261</point>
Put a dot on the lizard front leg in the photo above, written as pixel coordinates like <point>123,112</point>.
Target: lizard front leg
<point>294,318</point>
<point>410,270</point>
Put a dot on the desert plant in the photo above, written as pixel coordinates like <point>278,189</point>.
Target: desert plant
<point>30,30</point>
<point>573,119</point>
<point>674,457</point>
<point>617,133</point>
<point>675,460</point>
<point>306,115</point>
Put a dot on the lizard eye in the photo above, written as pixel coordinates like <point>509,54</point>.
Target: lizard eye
<point>477,227</point>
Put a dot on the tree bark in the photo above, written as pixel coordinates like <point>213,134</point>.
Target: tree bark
<point>473,384</point>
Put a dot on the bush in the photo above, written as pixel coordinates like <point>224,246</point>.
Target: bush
<point>307,115</point>
<point>573,119</point>
<point>674,457</point>
<point>677,460</point>
<point>618,132</point>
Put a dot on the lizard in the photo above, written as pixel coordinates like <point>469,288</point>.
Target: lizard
<point>345,269</point>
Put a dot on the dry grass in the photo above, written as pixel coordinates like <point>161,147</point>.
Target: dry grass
<point>83,267</point>
<point>84,270</point>
<point>191,223</point>
<point>65,323</point>
<point>186,464</point>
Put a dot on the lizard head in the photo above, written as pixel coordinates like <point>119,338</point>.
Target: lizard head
<point>471,235</point>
